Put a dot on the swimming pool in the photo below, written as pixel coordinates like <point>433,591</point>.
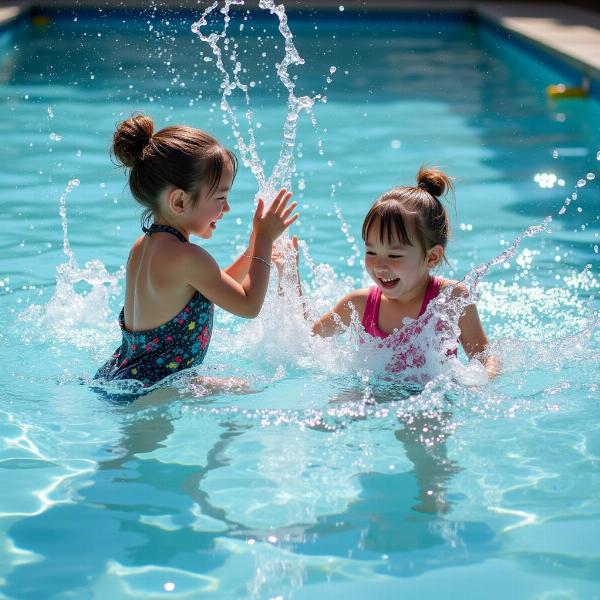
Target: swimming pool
<point>300,489</point>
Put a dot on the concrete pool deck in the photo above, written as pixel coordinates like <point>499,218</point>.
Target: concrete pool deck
<point>569,34</point>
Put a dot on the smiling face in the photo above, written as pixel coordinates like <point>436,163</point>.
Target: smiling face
<point>202,216</point>
<point>397,268</point>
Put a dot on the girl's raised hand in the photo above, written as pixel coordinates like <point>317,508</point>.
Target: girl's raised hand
<point>276,219</point>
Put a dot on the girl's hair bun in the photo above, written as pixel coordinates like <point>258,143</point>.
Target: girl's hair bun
<point>434,181</point>
<point>131,138</point>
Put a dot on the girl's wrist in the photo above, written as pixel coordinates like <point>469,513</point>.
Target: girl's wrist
<point>262,246</point>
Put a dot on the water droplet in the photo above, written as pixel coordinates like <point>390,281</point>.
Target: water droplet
<point>598,155</point>
<point>55,137</point>
<point>396,144</point>
<point>50,113</point>
<point>332,69</point>
<point>341,8</point>
<point>301,184</point>
<point>581,182</point>
<point>590,176</point>
<point>554,153</point>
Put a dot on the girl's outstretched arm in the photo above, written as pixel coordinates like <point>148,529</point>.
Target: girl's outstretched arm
<point>473,338</point>
<point>340,317</point>
<point>239,268</point>
<point>245,300</point>
<point>336,320</point>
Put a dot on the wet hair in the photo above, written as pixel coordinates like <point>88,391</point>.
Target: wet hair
<point>177,155</point>
<point>413,213</point>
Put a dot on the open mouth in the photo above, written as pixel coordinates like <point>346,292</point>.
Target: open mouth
<point>388,284</point>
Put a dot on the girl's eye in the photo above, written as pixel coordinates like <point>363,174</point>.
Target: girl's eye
<point>370,253</point>
<point>396,256</point>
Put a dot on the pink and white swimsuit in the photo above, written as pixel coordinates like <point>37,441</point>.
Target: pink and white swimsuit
<point>406,353</point>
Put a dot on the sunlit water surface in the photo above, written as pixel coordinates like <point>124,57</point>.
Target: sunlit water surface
<point>324,481</point>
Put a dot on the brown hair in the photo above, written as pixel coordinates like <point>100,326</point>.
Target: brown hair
<point>417,207</point>
<point>181,156</point>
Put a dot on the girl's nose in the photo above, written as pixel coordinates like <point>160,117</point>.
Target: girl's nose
<point>226,207</point>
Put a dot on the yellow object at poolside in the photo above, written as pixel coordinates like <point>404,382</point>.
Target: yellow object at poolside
<point>562,91</point>
<point>40,20</point>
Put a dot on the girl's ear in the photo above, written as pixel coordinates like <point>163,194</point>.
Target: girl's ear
<point>434,256</point>
<point>176,201</point>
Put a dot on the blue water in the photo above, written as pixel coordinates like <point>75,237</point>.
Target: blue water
<point>315,485</point>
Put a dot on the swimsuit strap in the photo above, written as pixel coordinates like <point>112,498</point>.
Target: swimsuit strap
<point>371,314</point>
<point>433,289</point>
<point>164,229</point>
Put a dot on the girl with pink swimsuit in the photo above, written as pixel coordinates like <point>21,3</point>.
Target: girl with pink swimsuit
<point>405,234</point>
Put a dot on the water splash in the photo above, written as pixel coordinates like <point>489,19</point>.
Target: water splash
<point>421,350</point>
<point>285,167</point>
<point>79,310</point>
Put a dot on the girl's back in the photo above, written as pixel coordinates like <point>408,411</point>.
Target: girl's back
<point>155,288</point>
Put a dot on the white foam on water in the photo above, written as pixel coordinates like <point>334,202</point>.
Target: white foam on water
<point>78,312</point>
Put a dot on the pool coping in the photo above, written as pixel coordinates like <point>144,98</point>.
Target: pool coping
<point>10,13</point>
<point>569,35</point>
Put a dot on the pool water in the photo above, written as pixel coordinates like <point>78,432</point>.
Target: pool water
<point>322,482</point>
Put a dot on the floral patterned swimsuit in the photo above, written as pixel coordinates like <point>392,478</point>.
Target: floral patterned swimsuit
<point>151,355</point>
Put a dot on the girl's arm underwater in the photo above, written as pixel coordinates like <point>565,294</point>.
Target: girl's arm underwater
<point>243,299</point>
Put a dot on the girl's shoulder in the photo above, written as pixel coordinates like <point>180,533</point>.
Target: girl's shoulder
<point>443,282</point>
<point>459,288</point>
<point>358,299</point>
<point>195,255</point>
